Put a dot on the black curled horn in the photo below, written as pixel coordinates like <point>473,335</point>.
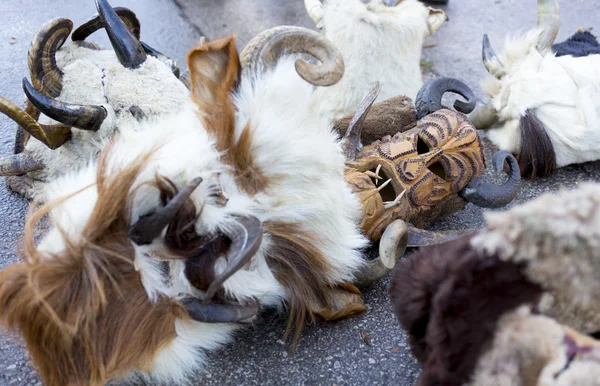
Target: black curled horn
<point>128,48</point>
<point>429,98</point>
<point>150,226</point>
<point>246,237</point>
<point>486,195</point>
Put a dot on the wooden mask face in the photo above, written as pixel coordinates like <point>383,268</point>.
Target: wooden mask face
<point>402,176</point>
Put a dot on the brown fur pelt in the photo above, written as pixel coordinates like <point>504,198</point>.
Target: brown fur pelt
<point>389,117</point>
<point>449,299</point>
<point>106,323</point>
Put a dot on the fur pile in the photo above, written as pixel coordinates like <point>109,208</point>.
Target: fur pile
<point>472,306</point>
<point>379,43</point>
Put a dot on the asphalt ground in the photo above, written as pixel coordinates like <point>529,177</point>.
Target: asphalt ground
<point>328,353</point>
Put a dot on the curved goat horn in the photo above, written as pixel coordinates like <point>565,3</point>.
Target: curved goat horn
<point>95,23</point>
<point>219,313</point>
<point>264,51</point>
<point>52,136</point>
<point>483,117</point>
<point>246,238</point>
<point>316,11</point>
<point>352,139</point>
<point>490,60</point>
<point>487,195</point>
<point>549,23</point>
<point>84,117</point>
<point>150,226</point>
<point>45,74</point>
<point>18,164</point>
<point>429,98</point>
<point>129,51</point>
<point>392,246</point>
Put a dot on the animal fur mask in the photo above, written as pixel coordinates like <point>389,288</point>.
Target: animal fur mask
<point>426,172</point>
<point>377,28</point>
<point>461,301</point>
<point>80,95</point>
<point>543,96</point>
<point>183,229</point>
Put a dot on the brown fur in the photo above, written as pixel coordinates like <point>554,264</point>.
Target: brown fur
<point>389,117</point>
<point>215,73</point>
<point>536,157</point>
<point>83,312</point>
<point>301,268</point>
<point>449,299</point>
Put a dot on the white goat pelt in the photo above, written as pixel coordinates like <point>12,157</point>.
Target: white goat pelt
<point>96,77</point>
<point>562,92</point>
<point>378,43</point>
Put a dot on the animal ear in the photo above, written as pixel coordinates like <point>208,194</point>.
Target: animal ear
<point>214,73</point>
<point>214,70</point>
<point>435,20</point>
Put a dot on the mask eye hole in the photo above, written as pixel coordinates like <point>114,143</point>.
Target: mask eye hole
<point>438,169</point>
<point>422,147</point>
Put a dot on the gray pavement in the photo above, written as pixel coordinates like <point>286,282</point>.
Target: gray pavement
<point>330,353</point>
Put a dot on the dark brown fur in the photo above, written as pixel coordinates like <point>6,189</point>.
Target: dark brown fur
<point>83,312</point>
<point>536,157</point>
<point>389,117</point>
<point>449,299</point>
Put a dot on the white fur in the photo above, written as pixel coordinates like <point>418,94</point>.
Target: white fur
<point>96,77</point>
<point>378,43</point>
<point>563,92</point>
<point>297,153</point>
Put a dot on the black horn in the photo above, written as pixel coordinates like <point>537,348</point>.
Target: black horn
<point>429,98</point>
<point>150,226</point>
<point>488,195</point>
<point>246,237</point>
<point>219,313</point>
<point>84,117</point>
<point>95,23</point>
<point>128,48</point>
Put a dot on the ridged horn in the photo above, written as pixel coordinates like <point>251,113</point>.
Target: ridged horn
<point>128,48</point>
<point>549,23</point>
<point>490,60</point>
<point>95,23</point>
<point>246,238</point>
<point>429,98</point>
<point>52,136</point>
<point>487,195</point>
<point>265,50</point>
<point>45,74</point>
<point>392,246</point>
<point>84,117</point>
<point>18,164</point>
<point>150,226</point>
<point>352,139</point>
